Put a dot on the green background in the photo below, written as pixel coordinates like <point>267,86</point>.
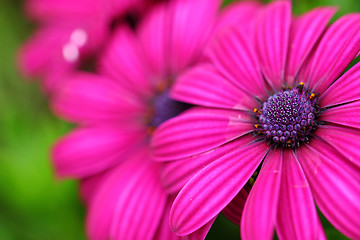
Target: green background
<point>33,203</point>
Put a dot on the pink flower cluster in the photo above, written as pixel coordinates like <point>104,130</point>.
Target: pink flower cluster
<point>193,110</point>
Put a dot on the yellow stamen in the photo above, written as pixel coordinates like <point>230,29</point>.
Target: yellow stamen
<point>312,96</point>
<point>257,125</point>
<point>257,111</point>
<point>301,86</point>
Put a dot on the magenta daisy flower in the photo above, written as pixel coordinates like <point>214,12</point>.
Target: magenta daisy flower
<point>70,31</point>
<point>277,131</point>
<point>119,108</point>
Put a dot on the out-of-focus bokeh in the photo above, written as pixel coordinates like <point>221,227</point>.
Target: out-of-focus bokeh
<point>33,203</point>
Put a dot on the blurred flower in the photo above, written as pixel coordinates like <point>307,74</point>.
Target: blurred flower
<point>278,128</point>
<point>70,32</point>
<point>119,108</point>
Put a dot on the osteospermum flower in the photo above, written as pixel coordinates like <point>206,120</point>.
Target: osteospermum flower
<point>70,32</point>
<point>278,128</point>
<point>118,109</point>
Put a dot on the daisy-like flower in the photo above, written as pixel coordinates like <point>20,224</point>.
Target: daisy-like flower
<point>277,129</point>
<point>70,32</point>
<point>119,108</point>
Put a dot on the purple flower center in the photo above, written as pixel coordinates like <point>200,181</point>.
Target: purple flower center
<point>288,117</point>
<point>165,108</point>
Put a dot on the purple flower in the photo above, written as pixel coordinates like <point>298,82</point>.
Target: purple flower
<point>277,128</point>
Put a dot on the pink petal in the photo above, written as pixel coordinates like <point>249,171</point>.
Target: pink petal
<point>164,231</point>
<point>64,10</point>
<point>210,190</point>
<point>191,23</point>
<point>130,202</point>
<point>336,192</point>
<point>233,48</point>
<point>305,31</point>
<point>337,48</point>
<point>197,131</point>
<point>344,90</point>
<point>346,142</point>
<point>197,87</point>
<point>42,54</point>
<point>296,217</point>
<point>260,209</point>
<point>234,209</point>
<point>175,174</point>
<point>237,13</point>
<point>345,115</point>
<point>88,98</point>
<point>152,34</point>
<point>271,40</point>
<point>124,62</point>
<point>88,151</point>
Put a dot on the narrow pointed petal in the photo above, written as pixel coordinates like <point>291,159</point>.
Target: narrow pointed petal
<point>175,174</point>
<point>130,202</point>
<point>347,142</point>
<point>271,40</point>
<point>191,26</point>
<point>296,217</point>
<point>87,151</point>
<point>213,188</point>
<point>88,98</point>
<point>336,192</point>
<point>306,30</point>
<point>198,130</point>
<point>260,209</point>
<point>88,187</point>
<point>345,115</point>
<point>197,87</point>
<point>345,89</point>
<point>234,48</point>
<point>123,61</point>
<point>337,48</point>
<point>234,209</point>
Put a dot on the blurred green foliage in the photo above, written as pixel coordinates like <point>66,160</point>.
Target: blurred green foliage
<point>33,203</point>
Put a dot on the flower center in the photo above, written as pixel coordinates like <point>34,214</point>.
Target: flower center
<point>288,117</point>
<point>165,108</point>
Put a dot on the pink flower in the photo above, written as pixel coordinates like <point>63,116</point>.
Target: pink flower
<point>276,116</point>
<point>117,110</point>
<point>70,32</point>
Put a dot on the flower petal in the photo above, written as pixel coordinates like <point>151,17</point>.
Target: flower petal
<point>201,233</point>
<point>260,209</point>
<point>305,31</point>
<point>197,87</point>
<point>164,231</point>
<point>237,13</point>
<point>344,90</point>
<point>271,40</point>
<point>190,29</point>
<point>175,174</point>
<point>87,151</point>
<point>198,130</point>
<point>124,62</point>
<point>336,192</point>
<point>337,48</point>
<point>233,48</point>
<point>130,202</point>
<point>88,98</point>
<point>210,190</point>
<point>234,209</point>
<point>296,217</point>
<point>347,142</point>
<point>345,115</point>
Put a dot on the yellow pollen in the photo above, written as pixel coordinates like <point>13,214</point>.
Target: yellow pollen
<point>257,125</point>
<point>312,96</point>
<point>257,111</point>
